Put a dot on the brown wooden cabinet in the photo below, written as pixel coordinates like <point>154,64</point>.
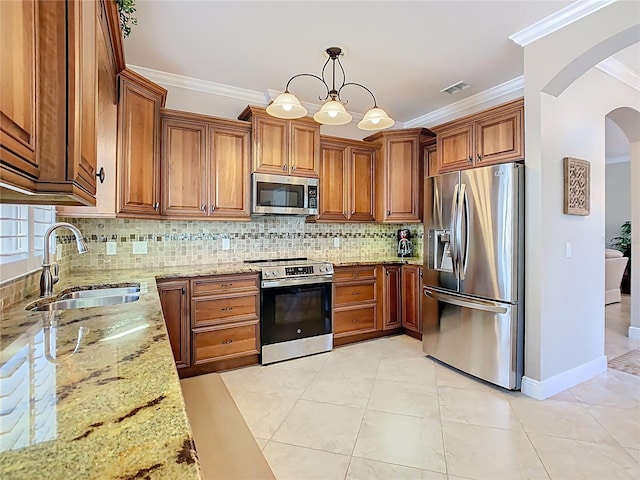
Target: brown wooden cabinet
<point>355,303</point>
<point>48,101</point>
<point>412,298</point>
<point>174,298</point>
<point>391,306</point>
<point>399,174</point>
<point>347,180</point>
<point>489,137</point>
<point>138,162</point>
<point>430,158</point>
<point>205,167</point>
<point>283,147</point>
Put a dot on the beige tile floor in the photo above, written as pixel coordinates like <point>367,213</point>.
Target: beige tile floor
<point>382,410</point>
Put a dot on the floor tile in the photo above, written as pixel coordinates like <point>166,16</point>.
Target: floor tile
<point>351,363</point>
<point>404,398</point>
<point>272,380</point>
<point>411,370</point>
<point>609,390</point>
<point>623,424</point>
<point>560,419</point>
<point>263,413</point>
<point>261,442</point>
<point>401,440</point>
<point>349,391</point>
<point>312,363</point>
<point>449,377</point>
<point>490,453</point>
<point>363,469</point>
<point>290,462</point>
<point>635,453</point>
<point>322,426</point>
<point>574,459</point>
<point>477,407</point>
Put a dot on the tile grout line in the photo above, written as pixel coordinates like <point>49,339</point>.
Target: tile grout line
<point>444,444</point>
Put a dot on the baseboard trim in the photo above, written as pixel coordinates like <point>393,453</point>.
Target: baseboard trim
<point>547,388</point>
<point>634,332</point>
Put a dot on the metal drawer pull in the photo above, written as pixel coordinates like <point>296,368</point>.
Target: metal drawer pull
<point>355,320</point>
<point>227,341</point>
<point>226,284</point>
<point>226,309</point>
<point>355,293</point>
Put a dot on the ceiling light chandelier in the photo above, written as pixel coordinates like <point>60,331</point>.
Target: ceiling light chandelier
<point>287,105</point>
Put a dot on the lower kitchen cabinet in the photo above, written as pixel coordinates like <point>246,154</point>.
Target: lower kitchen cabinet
<point>412,299</point>
<point>175,308</point>
<point>226,341</point>
<point>391,287</point>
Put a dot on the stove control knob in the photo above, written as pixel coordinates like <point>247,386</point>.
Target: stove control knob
<point>322,268</point>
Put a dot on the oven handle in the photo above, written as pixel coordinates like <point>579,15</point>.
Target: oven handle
<point>285,282</point>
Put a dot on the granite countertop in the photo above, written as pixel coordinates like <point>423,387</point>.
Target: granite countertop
<point>112,409</point>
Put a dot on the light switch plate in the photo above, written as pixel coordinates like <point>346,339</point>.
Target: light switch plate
<point>139,248</point>
<point>567,250</point>
<point>111,248</point>
<point>226,244</point>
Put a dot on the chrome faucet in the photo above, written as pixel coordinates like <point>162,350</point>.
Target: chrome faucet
<point>48,279</point>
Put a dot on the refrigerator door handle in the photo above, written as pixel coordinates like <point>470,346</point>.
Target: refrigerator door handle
<point>465,253</point>
<point>458,234</point>
<point>483,305</point>
<point>453,248</point>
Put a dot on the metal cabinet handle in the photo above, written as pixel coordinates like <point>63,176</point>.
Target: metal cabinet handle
<point>355,293</point>
<point>388,212</point>
<point>100,174</point>
<point>213,207</point>
<point>479,157</point>
<point>226,309</point>
<point>184,290</point>
<point>225,342</point>
<point>284,167</point>
<point>387,272</point>
<point>344,213</point>
<point>293,167</point>
<point>203,207</point>
<point>156,206</point>
<point>355,320</point>
<point>470,159</point>
<point>226,284</point>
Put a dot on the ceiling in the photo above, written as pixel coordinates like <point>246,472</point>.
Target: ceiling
<point>405,52</point>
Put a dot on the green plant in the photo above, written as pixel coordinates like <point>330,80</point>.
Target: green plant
<point>623,242</point>
<point>127,8</point>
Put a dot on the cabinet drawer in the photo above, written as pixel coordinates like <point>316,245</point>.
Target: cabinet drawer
<point>225,341</point>
<point>354,293</point>
<point>354,273</point>
<point>223,284</point>
<point>223,309</point>
<point>361,319</point>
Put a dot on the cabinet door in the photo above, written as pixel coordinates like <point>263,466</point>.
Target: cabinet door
<point>333,186</point>
<point>18,105</point>
<point>403,181</point>
<point>391,310</point>
<point>82,81</point>
<point>362,184</point>
<point>305,148</point>
<point>270,146</point>
<point>173,298</point>
<point>411,286</point>
<point>184,179</point>
<point>499,138</point>
<point>455,149</point>
<point>229,173</point>
<point>139,153</point>
<point>430,161</point>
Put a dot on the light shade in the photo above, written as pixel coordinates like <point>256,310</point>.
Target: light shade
<point>286,105</point>
<point>332,113</point>
<point>375,119</point>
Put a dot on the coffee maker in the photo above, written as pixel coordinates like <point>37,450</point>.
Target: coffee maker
<point>405,247</point>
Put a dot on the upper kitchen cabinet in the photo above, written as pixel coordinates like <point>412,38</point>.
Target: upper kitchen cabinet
<point>49,101</point>
<point>283,147</point>
<point>399,174</point>
<point>489,137</point>
<point>205,167</point>
<point>138,161</point>
<point>347,180</point>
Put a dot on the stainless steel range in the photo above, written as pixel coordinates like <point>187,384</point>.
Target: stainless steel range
<point>295,308</point>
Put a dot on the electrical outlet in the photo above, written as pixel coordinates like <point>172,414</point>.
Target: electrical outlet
<point>111,248</point>
<point>336,242</point>
<point>567,250</point>
<point>139,248</point>
<point>226,244</point>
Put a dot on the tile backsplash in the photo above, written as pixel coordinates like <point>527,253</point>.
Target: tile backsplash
<point>178,242</point>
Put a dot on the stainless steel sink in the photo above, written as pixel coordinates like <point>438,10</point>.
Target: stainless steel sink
<point>71,303</point>
<point>102,292</point>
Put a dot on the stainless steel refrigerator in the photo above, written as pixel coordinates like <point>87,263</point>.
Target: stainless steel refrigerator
<point>474,272</point>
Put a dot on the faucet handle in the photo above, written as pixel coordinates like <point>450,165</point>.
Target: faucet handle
<point>56,272</point>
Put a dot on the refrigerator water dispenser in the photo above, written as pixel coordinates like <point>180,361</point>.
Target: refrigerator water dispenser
<point>440,250</point>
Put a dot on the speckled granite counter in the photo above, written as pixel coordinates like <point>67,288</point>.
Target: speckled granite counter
<point>114,409</point>
<point>357,260</point>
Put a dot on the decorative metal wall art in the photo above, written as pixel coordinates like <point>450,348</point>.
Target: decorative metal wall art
<point>577,186</point>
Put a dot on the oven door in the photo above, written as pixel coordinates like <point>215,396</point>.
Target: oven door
<point>290,313</point>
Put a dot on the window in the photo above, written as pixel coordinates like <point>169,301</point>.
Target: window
<point>22,229</point>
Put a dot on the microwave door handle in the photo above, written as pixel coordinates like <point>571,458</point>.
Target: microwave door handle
<point>453,246</point>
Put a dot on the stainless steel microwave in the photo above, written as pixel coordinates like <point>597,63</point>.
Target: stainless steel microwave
<point>284,195</point>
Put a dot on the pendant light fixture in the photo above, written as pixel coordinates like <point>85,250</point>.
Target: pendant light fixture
<point>287,105</point>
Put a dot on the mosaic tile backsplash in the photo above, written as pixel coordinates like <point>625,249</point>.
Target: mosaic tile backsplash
<point>175,243</point>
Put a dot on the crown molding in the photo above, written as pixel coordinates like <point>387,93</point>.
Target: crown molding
<point>558,20</point>
<point>461,107</point>
<point>621,72</point>
<point>171,79</point>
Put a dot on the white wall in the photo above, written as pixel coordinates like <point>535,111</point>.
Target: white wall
<point>634,328</point>
<point>564,312</point>
<point>617,198</point>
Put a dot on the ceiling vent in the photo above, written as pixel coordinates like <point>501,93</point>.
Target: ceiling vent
<point>456,87</point>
